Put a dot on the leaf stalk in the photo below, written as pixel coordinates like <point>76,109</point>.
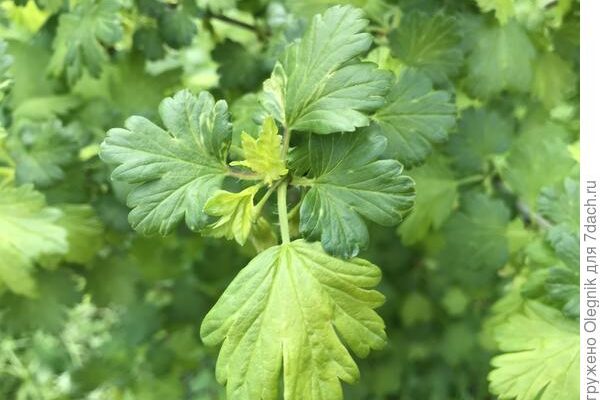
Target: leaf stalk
<point>282,211</point>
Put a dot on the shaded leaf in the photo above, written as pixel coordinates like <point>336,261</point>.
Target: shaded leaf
<point>349,184</point>
<point>414,118</point>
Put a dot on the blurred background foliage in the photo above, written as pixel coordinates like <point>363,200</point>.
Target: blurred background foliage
<point>91,310</point>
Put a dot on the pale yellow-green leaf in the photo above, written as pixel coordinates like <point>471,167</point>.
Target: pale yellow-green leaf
<point>262,236</point>
<point>263,155</point>
<point>503,9</point>
<point>554,81</point>
<point>290,312</point>
<point>236,212</point>
<point>541,360</point>
<point>28,230</point>
<point>84,232</point>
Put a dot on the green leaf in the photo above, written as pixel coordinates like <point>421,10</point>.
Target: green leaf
<point>502,59</point>
<point>527,170</point>
<point>317,87</point>
<point>565,243</point>
<point>80,36</point>
<point>28,230</point>
<point>416,309</point>
<point>531,14</point>
<point>6,63</point>
<point>84,232</point>
<point>415,116</point>
<point>236,212</point>
<point>503,9</point>
<point>542,356</point>
<point>290,308</point>
<point>56,292</point>
<point>374,9</point>
<point>263,155</point>
<point>41,151</point>
<point>431,44</point>
<point>46,107</point>
<point>246,73</point>
<point>437,192</point>
<point>554,81</point>
<point>476,234</point>
<point>246,114</point>
<point>148,41</point>
<point>562,285</point>
<point>481,134</point>
<point>560,203</point>
<point>175,170</point>
<point>176,28</point>
<point>349,184</point>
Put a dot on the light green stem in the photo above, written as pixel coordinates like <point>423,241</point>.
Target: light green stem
<point>285,145</point>
<point>261,204</point>
<point>470,179</point>
<point>282,211</point>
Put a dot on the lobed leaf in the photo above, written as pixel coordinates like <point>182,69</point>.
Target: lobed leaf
<point>263,155</point>
<point>502,59</point>
<point>80,36</point>
<point>236,212</point>
<point>175,171</point>
<point>289,312</point>
<point>349,184</point>
<point>429,43</point>
<point>480,135</point>
<point>414,118</point>
<point>28,230</point>
<point>434,201</point>
<point>476,234</point>
<point>318,86</point>
<point>542,356</point>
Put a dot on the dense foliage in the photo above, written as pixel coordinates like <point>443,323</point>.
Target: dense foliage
<point>194,197</point>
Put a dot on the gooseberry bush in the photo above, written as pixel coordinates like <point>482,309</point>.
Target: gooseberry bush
<point>153,148</point>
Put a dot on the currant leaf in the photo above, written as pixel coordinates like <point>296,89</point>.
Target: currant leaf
<point>263,155</point>
<point>41,150</point>
<point>176,170</point>
<point>481,134</point>
<point>476,234</point>
<point>527,171</point>
<point>84,232</point>
<point>502,59</point>
<point>236,212</point>
<point>81,34</point>
<point>554,80</point>
<point>287,313</point>
<point>435,198</point>
<point>414,118</point>
<point>317,86</point>
<point>28,230</point>
<point>348,184</point>
<point>542,356</point>
<point>431,44</point>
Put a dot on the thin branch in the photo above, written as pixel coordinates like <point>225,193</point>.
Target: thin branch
<point>534,217</point>
<point>238,23</point>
